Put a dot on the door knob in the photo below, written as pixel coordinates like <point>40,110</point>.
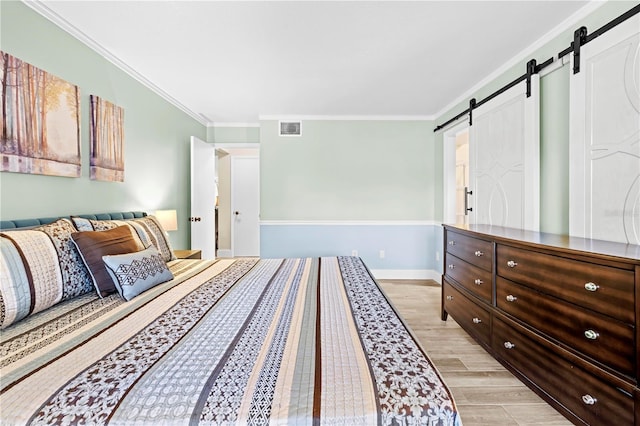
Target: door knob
<point>236,213</point>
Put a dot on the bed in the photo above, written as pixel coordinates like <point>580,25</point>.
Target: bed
<point>230,341</point>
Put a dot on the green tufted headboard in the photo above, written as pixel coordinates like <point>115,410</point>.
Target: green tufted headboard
<point>27,223</point>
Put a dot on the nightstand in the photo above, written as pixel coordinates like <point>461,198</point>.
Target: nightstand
<point>188,254</point>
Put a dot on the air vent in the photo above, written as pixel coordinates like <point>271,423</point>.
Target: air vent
<point>290,128</point>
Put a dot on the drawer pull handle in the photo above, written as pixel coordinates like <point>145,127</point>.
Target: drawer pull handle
<point>452,243</point>
<point>452,266</point>
<point>588,399</point>
<point>511,298</point>
<point>591,287</point>
<point>512,264</point>
<point>479,253</point>
<point>509,345</point>
<point>477,320</point>
<point>591,335</point>
<point>449,297</point>
<point>478,281</point>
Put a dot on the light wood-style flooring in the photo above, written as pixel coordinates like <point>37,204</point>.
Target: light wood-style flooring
<point>484,391</point>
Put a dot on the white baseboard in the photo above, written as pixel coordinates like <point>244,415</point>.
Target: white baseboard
<point>406,274</point>
<point>225,253</point>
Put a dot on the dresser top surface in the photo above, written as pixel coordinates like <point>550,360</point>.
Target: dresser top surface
<point>565,242</point>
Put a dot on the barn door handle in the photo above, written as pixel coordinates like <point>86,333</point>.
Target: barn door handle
<point>467,209</point>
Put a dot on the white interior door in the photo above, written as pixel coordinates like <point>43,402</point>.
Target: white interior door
<point>203,196</point>
<point>245,205</point>
<point>605,137</point>
<point>504,154</point>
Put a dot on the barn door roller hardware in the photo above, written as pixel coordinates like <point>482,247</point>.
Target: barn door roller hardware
<point>580,38</point>
<point>532,68</point>
<point>472,105</point>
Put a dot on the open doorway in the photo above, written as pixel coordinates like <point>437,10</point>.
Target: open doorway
<point>225,153</point>
<point>456,173</point>
<point>462,176</point>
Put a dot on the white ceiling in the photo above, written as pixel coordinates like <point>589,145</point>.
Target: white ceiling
<point>233,61</point>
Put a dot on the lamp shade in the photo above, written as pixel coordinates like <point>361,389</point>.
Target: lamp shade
<point>168,219</point>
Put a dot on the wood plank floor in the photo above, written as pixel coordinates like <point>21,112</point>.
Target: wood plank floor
<point>484,391</point>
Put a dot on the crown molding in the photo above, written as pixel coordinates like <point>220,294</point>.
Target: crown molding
<point>49,14</point>
<point>583,12</point>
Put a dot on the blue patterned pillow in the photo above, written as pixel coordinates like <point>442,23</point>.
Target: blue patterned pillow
<point>134,273</point>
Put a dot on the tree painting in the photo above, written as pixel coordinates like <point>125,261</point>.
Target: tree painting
<point>40,121</point>
<point>107,141</point>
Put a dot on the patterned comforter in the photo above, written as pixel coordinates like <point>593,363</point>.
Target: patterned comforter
<point>233,341</point>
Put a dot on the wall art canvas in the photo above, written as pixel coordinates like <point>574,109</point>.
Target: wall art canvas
<point>40,121</point>
<point>107,141</point>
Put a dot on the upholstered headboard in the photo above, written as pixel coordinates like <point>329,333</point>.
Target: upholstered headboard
<point>25,223</point>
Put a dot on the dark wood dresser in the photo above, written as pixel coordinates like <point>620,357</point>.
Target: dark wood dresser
<point>559,312</point>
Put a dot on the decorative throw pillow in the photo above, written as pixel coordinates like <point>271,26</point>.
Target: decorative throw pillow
<point>30,275</point>
<point>75,276</point>
<point>135,273</point>
<point>92,245</point>
<point>147,228</point>
<point>82,224</point>
<point>157,234</point>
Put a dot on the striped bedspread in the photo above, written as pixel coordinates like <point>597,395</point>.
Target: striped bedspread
<point>232,341</point>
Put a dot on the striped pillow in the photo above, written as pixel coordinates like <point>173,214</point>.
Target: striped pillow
<point>30,275</point>
<point>39,267</point>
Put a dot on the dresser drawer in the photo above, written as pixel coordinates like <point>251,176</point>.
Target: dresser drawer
<point>474,279</point>
<point>471,316</point>
<point>604,289</point>
<point>594,400</point>
<point>473,250</point>
<point>602,338</point>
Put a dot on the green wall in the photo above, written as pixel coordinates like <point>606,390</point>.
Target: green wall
<point>156,133</point>
<point>349,170</point>
<point>233,134</point>
<point>554,120</point>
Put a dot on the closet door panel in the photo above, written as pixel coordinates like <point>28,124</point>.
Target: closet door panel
<point>605,137</point>
<point>504,157</point>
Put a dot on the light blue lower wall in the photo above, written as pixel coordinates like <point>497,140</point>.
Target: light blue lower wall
<point>412,250</point>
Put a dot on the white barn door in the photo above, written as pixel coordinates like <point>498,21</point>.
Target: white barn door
<point>504,154</point>
<point>605,137</point>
